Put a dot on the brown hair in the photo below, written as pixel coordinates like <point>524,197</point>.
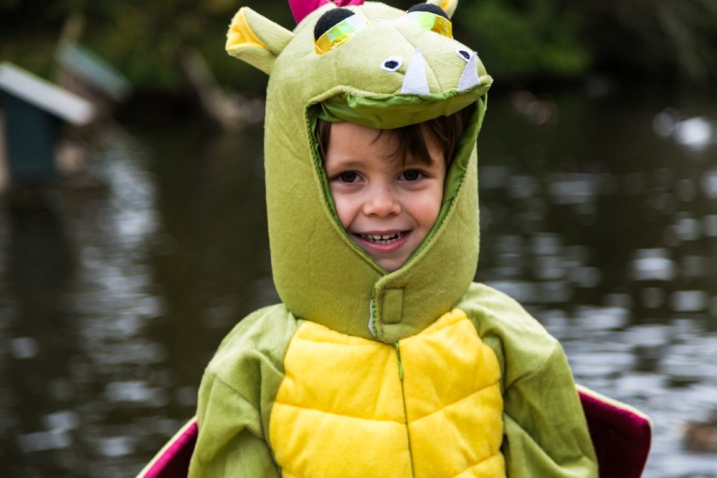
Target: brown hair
<point>445,130</point>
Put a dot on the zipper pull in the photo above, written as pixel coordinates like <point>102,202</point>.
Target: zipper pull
<point>400,364</point>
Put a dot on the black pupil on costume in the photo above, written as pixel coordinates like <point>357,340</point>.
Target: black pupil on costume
<point>329,19</point>
<point>427,7</point>
<point>464,54</point>
<point>391,64</point>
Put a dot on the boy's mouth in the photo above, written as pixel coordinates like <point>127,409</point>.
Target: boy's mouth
<point>382,238</point>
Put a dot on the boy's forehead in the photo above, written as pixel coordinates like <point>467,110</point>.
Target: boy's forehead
<point>348,135</point>
<point>371,144</point>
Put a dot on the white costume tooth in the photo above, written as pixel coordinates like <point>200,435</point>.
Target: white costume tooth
<point>415,82</point>
<point>469,77</point>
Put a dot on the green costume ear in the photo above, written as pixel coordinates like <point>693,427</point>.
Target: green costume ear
<point>448,6</point>
<point>255,39</point>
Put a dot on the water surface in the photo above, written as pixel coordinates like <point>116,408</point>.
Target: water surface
<point>598,214</point>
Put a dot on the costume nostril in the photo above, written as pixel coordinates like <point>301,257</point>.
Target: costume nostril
<point>391,64</point>
<point>469,77</point>
<point>465,54</point>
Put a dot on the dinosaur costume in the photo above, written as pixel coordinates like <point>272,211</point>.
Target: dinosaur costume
<point>361,372</point>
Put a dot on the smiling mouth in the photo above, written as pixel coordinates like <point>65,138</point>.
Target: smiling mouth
<point>382,238</point>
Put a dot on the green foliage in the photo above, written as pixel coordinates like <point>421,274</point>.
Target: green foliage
<point>658,36</point>
<point>147,38</point>
<point>519,40</point>
<point>524,43</point>
<point>142,39</point>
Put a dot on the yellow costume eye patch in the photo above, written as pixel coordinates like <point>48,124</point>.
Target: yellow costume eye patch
<point>431,21</point>
<point>340,33</point>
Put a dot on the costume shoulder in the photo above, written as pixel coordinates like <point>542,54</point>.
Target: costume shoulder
<point>545,430</point>
<point>264,333</point>
<point>237,393</point>
<point>517,338</point>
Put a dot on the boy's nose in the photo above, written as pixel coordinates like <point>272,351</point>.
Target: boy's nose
<point>382,202</point>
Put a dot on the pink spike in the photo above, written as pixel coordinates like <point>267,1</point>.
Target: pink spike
<point>301,8</point>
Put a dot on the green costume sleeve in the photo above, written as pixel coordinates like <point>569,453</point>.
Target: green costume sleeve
<point>236,396</point>
<point>545,428</point>
<point>229,447</point>
<point>546,434</point>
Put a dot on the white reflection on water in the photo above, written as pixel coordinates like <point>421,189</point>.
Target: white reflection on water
<point>573,188</point>
<point>652,264</point>
<point>41,441</point>
<point>116,446</point>
<point>688,301</point>
<point>535,292</point>
<point>61,421</point>
<point>695,133</point>
<point>24,347</point>
<point>602,318</point>
<point>136,391</point>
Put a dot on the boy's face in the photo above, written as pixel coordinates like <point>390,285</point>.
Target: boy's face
<point>386,207</point>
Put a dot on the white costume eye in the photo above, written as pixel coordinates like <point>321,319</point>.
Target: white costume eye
<point>465,54</point>
<point>392,63</point>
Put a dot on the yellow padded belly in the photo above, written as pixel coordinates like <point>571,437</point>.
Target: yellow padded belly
<point>343,410</point>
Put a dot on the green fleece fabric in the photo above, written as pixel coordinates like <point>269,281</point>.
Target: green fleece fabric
<point>236,396</point>
<point>545,429</point>
<point>310,251</point>
<point>545,433</point>
<point>323,277</point>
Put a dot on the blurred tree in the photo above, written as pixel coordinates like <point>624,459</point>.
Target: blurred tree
<point>525,40</point>
<point>142,39</point>
<point>657,36</point>
<point>519,40</point>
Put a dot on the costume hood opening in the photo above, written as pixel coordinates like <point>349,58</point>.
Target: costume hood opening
<point>379,67</point>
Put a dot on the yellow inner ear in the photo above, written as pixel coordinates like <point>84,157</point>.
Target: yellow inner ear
<point>241,34</point>
<point>448,6</point>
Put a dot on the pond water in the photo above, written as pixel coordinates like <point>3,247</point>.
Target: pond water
<point>598,213</point>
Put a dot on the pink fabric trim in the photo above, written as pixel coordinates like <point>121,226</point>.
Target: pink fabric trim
<point>174,462</point>
<point>301,8</point>
<point>621,437</point>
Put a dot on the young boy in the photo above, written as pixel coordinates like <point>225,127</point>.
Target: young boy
<point>387,185</point>
<point>383,359</point>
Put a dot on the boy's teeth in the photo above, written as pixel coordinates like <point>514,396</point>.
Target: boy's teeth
<point>382,238</point>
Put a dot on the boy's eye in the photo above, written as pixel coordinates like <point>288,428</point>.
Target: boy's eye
<point>411,175</point>
<point>348,177</point>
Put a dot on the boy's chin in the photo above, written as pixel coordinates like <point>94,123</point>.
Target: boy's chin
<point>392,264</point>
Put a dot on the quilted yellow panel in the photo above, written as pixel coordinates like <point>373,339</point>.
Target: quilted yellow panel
<point>340,410</point>
<point>453,400</point>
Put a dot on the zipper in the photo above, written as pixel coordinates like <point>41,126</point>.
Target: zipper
<point>400,365</point>
<point>371,326</point>
<point>405,411</point>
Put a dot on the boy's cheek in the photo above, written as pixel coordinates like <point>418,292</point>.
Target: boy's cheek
<point>344,210</point>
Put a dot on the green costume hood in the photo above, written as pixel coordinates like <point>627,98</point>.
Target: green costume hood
<point>384,69</point>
